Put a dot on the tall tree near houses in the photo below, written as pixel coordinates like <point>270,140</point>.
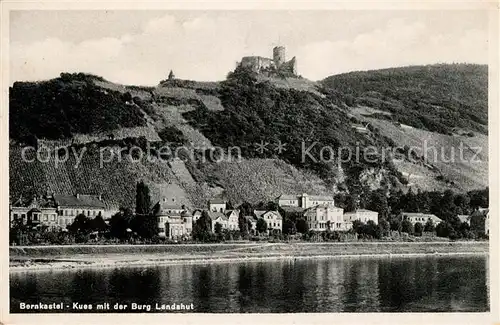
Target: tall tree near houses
<point>142,199</point>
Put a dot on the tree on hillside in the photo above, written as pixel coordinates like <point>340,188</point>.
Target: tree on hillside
<point>243,225</point>
<point>357,226</point>
<point>395,223</point>
<point>423,201</point>
<point>218,228</point>
<point>418,229</point>
<point>447,208</point>
<point>444,229</point>
<point>142,199</point>
<point>81,224</point>
<point>406,226</point>
<point>145,226</point>
<point>429,226</point>
<point>202,229</point>
<point>289,227</point>
<point>246,209</point>
<point>378,203</point>
<point>120,222</point>
<point>261,226</point>
<point>302,226</point>
<point>479,198</point>
<point>98,223</point>
<point>385,227</point>
<point>394,202</point>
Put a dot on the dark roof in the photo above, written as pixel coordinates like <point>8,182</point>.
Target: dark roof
<point>480,212</point>
<point>165,207</point>
<point>260,213</point>
<point>463,217</point>
<point>80,201</point>
<point>216,214</point>
<point>251,218</point>
<point>38,202</point>
<point>311,197</point>
<point>228,212</point>
<point>217,201</point>
<point>292,209</point>
<point>359,210</point>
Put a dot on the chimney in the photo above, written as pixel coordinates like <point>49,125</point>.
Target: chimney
<point>100,197</point>
<point>78,195</point>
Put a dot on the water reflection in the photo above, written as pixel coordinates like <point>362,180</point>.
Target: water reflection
<point>329,285</point>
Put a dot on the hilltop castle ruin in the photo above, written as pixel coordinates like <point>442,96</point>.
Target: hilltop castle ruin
<point>268,66</point>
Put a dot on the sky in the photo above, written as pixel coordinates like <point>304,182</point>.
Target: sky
<point>141,47</point>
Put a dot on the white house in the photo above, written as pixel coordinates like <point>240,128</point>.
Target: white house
<point>174,221</point>
<point>362,215</point>
<point>232,219</point>
<point>415,217</point>
<point>323,217</point>
<point>218,217</point>
<point>217,205</point>
<point>304,200</point>
<point>273,219</point>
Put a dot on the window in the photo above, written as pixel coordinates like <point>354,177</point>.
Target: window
<point>53,217</point>
<point>23,216</point>
<point>15,216</point>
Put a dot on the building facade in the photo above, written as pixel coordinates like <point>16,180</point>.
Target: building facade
<point>304,200</point>
<point>69,206</point>
<point>277,64</point>
<point>174,221</point>
<point>232,219</point>
<point>218,205</point>
<point>273,219</point>
<point>423,218</point>
<point>362,215</point>
<point>480,221</point>
<point>326,217</point>
<point>55,211</point>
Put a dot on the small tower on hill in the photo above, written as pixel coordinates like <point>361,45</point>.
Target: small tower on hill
<point>171,75</point>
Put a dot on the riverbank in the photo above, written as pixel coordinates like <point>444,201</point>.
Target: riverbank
<point>30,258</point>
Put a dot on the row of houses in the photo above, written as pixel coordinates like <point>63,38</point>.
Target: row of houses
<point>321,214</point>
<point>176,220</point>
<point>57,211</point>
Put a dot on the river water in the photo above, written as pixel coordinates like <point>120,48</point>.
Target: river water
<point>378,284</point>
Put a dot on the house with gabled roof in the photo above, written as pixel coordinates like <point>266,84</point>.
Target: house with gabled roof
<point>362,215</point>
<point>39,211</point>
<point>326,217</point>
<point>273,219</point>
<point>174,220</point>
<point>232,219</point>
<point>217,204</point>
<point>422,218</point>
<point>480,221</point>
<point>218,217</point>
<point>304,200</point>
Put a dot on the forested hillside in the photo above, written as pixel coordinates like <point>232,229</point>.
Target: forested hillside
<point>437,98</point>
<point>62,107</point>
<point>445,104</point>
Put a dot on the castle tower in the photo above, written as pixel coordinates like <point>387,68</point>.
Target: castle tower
<point>279,55</point>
